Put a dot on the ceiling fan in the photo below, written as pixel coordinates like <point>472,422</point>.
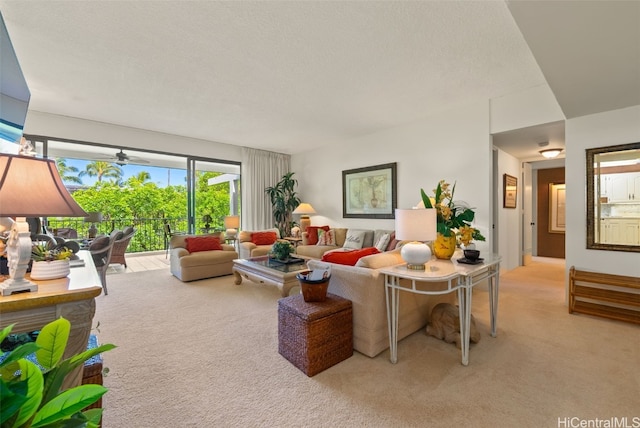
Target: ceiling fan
<point>121,158</point>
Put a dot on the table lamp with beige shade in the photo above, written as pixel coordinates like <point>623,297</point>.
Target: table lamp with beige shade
<point>304,209</point>
<point>419,226</point>
<point>231,223</point>
<point>29,187</point>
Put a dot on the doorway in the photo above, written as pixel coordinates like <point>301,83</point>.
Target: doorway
<point>550,237</point>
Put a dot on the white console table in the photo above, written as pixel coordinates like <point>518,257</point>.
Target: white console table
<point>457,277</point>
<point>72,297</point>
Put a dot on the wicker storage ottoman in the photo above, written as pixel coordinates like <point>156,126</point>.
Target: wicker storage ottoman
<point>92,371</point>
<point>314,336</point>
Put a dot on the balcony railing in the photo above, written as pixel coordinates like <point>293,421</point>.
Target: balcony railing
<point>149,234</point>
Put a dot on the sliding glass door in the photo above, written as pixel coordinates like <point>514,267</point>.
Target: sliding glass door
<point>214,194</point>
<point>146,189</point>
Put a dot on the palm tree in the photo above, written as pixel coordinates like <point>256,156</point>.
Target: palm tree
<point>140,178</point>
<point>66,172</point>
<point>102,169</point>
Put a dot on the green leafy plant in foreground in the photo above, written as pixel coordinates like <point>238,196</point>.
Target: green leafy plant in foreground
<point>31,397</point>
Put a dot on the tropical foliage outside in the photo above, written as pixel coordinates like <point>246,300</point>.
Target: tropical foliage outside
<point>139,202</point>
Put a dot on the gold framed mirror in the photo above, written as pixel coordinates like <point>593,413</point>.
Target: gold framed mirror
<point>613,198</point>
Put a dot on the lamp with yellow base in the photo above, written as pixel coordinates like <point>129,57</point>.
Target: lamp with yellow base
<point>304,209</point>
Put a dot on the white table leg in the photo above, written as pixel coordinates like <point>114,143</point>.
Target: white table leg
<point>464,312</point>
<point>392,316</point>
<point>493,299</point>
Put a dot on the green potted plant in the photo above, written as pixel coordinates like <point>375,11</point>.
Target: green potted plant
<point>281,250</point>
<point>284,200</point>
<point>31,397</point>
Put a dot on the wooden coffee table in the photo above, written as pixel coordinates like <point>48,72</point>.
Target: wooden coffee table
<point>263,270</point>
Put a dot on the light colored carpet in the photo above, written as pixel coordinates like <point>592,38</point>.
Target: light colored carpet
<point>205,354</point>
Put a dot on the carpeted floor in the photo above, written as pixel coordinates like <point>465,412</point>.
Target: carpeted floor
<point>205,354</point>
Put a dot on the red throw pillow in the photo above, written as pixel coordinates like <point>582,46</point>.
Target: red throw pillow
<point>264,238</point>
<point>202,243</point>
<point>312,231</point>
<point>392,242</point>
<point>349,258</point>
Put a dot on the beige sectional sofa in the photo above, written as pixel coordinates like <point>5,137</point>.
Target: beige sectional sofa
<point>363,284</point>
<point>199,265</point>
<point>317,251</point>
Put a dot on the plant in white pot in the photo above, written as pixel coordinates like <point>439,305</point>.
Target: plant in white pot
<point>50,263</point>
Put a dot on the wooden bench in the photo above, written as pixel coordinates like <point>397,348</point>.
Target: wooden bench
<point>611,296</point>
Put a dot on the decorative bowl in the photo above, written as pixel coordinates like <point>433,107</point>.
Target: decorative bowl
<point>472,255</point>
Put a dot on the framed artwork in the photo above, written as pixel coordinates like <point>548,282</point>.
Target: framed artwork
<point>510,190</point>
<point>557,208</point>
<point>369,192</point>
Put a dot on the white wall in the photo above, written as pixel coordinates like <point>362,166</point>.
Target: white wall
<point>51,125</point>
<point>508,220</point>
<point>597,130</point>
<point>453,145</point>
<point>528,108</point>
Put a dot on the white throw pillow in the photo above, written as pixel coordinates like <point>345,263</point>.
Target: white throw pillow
<point>326,237</point>
<point>382,243</point>
<point>354,239</point>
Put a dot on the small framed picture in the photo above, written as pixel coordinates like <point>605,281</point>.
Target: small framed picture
<point>510,191</point>
<point>557,207</point>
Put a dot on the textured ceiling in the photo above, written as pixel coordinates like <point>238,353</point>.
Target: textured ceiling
<point>292,76</point>
<point>281,76</point>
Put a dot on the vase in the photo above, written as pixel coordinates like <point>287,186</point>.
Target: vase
<point>50,270</point>
<point>444,247</point>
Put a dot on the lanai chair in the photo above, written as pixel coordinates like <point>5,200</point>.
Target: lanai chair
<point>100,249</point>
<point>120,246</point>
<point>67,233</point>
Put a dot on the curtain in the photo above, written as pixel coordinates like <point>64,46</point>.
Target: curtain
<point>260,169</point>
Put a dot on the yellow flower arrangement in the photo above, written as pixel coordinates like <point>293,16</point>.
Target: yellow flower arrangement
<point>452,218</point>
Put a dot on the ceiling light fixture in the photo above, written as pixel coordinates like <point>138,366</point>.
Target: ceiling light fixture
<point>550,153</point>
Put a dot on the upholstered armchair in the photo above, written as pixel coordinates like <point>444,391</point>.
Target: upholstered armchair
<point>255,243</point>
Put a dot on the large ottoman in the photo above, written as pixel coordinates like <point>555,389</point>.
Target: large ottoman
<point>92,371</point>
<point>314,336</point>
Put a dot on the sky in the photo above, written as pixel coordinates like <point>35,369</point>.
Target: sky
<point>161,176</point>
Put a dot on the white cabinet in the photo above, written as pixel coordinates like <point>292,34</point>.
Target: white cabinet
<point>634,186</point>
<point>620,231</point>
<point>630,232</point>
<point>622,187</point>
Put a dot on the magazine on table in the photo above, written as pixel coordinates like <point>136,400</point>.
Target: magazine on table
<point>319,274</point>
